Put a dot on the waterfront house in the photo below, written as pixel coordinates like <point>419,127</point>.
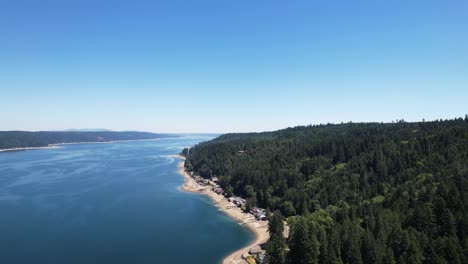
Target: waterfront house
<point>258,253</point>
<point>239,201</point>
<point>204,182</point>
<point>254,210</point>
<point>255,250</point>
<point>259,214</point>
<point>218,190</point>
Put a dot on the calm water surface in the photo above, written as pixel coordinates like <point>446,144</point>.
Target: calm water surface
<point>108,203</point>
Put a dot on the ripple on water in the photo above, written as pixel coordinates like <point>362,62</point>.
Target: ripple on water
<point>113,203</point>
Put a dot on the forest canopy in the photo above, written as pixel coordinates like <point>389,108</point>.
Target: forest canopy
<point>353,192</point>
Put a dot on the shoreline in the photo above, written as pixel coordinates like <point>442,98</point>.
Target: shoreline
<point>59,145</point>
<point>30,148</point>
<point>257,227</point>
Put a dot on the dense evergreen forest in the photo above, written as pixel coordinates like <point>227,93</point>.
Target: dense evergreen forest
<point>354,192</point>
<point>22,139</point>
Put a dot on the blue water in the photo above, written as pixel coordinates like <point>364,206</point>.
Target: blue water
<point>108,203</point>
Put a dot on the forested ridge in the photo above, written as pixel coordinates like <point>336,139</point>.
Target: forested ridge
<point>353,192</point>
<point>23,139</point>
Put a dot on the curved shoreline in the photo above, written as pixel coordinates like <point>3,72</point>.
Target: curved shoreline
<point>258,228</point>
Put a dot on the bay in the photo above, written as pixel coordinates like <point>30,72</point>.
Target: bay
<point>108,203</point>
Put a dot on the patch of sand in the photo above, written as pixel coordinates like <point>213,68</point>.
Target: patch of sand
<point>259,228</point>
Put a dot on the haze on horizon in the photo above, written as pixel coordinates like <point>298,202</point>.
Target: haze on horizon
<point>229,66</point>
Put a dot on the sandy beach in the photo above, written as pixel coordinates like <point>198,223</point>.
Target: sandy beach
<point>259,228</point>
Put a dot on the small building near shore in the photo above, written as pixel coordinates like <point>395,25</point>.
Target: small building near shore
<point>260,258</point>
<point>254,210</point>
<point>239,201</point>
<point>258,253</point>
<point>255,250</point>
<point>218,190</point>
<point>260,214</point>
<point>204,182</point>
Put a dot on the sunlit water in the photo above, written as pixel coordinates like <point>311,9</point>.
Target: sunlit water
<point>108,203</point>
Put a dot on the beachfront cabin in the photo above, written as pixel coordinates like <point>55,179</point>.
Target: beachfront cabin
<point>239,202</point>
<point>258,253</point>
<point>218,190</point>
<point>255,250</point>
<point>204,182</point>
<point>261,216</point>
<point>254,211</point>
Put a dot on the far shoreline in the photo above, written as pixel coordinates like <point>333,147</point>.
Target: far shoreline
<point>59,145</point>
<point>258,228</point>
<point>30,148</point>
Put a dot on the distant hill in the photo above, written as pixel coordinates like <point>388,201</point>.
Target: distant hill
<point>86,130</point>
<point>23,139</point>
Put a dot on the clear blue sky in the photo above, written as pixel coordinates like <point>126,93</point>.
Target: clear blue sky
<point>234,65</point>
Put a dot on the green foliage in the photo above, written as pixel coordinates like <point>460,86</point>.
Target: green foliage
<point>366,193</point>
<point>276,226</point>
<point>303,244</point>
<point>276,250</point>
<point>185,152</point>
<point>378,199</point>
<point>276,246</point>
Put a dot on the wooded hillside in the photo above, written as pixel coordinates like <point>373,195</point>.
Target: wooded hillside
<point>366,192</point>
